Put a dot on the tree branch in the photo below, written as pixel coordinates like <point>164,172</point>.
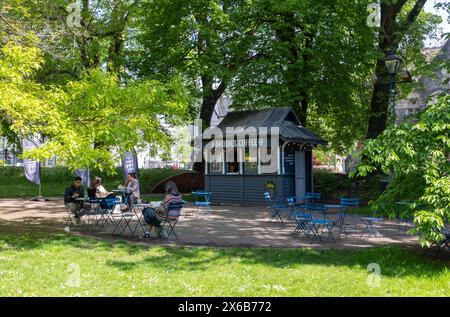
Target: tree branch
<point>219,90</point>
<point>399,5</point>
<point>412,15</point>
<point>7,22</point>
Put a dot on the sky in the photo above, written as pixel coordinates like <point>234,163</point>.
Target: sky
<point>429,7</point>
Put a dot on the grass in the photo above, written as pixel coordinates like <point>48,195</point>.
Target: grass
<point>40,261</point>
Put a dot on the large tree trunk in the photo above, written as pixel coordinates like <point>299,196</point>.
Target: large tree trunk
<point>210,98</point>
<point>379,103</point>
<point>90,56</point>
<point>115,63</point>
<point>298,59</point>
<point>390,34</point>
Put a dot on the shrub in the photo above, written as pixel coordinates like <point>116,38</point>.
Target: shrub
<point>419,155</point>
<point>55,179</point>
<point>334,186</point>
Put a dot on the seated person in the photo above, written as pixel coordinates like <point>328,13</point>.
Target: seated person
<point>233,168</point>
<point>153,217</point>
<point>100,191</point>
<point>132,185</point>
<point>71,193</point>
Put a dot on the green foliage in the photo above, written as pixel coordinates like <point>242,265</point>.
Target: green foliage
<point>334,186</point>
<point>88,122</point>
<point>419,153</point>
<point>202,41</point>
<point>316,57</point>
<point>404,188</point>
<point>56,179</point>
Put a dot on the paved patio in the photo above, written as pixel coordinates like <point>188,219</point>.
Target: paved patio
<point>227,226</point>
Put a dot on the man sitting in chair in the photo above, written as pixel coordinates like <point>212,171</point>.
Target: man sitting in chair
<point>153,217</point>
<point>132,191</point>
<point>132,185</point>
<point>71,193</point>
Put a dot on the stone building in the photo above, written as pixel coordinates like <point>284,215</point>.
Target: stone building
<point>428,87</point>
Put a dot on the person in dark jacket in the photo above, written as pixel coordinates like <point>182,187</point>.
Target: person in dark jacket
<point>71,193</point>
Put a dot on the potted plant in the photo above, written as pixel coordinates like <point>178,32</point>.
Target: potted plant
<point>270,187</point>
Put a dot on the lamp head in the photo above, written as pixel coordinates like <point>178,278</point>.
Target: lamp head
<point>393,63</point>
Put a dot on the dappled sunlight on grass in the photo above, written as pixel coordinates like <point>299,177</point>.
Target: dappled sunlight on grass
<point>40,262</point>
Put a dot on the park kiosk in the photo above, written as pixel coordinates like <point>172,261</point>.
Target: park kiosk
<point>243,180</point>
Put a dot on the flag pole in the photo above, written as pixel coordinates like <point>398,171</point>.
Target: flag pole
<point>39,197</point>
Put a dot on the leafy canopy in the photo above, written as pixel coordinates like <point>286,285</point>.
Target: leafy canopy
<point>422,150</point>
<point>88,122</point>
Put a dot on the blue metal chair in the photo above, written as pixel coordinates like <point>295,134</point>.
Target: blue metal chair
<point>99,215</point>
<point>299,201</point>
<point>202,201</point>
<point>321,226</point>
<point>276,208</point>
<point>371,224</point>
<point>171,220</point>
<point>312,197</point>
<point>442,244</point>
<point>125,216</point>
<point>98,212</point>
<point>300,218</point>
<point>348,203</point>
<point>295,203</point>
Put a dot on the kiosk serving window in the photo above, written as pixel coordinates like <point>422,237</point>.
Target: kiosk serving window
<point>216,167</point>
<point>268,160</point>
<point>251,161</point>
<point>232,162</point>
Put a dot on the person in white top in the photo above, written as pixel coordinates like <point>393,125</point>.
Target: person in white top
<point>100,191</point>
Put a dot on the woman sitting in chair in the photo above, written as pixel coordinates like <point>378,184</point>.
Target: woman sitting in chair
<point>100,191</point>
<point>154,216</point>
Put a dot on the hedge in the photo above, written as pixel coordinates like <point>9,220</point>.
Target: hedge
<point>334,186</point>
<point>55,179</point>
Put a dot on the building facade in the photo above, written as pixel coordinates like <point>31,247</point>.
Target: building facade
<point>240,171</point>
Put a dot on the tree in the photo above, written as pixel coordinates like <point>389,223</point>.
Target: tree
<point>91,34</point>
<point>200,40</point>
<point>313,56</point>
<point>420,152</point>
<point>317,57</point>
<point>88,122</point>
<point>394,36</point>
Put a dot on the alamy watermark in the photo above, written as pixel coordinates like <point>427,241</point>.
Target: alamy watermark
<point>73,275</point>
<point>374,277</point>
<point>73,19</point>
<point>238,145</point>
<point>374,17</point>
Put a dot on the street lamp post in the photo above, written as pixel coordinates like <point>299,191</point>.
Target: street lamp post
<point>393,64</point>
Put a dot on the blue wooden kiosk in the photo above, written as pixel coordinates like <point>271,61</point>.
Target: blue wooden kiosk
<point>245,182</point>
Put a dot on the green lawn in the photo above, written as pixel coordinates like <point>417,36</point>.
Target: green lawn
<point>38,261</point>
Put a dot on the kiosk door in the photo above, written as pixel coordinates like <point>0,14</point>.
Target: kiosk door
<point>300,180</point>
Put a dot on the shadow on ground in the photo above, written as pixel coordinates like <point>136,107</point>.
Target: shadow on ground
<point>396,261</point>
